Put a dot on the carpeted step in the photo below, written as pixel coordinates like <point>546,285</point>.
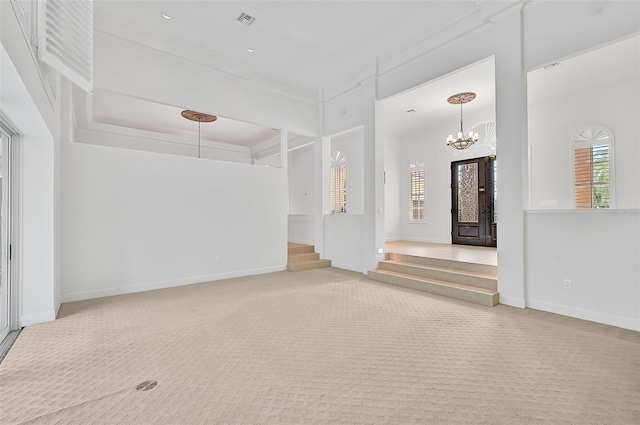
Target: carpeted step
<point>478,280</point>
<point>486,269</point>
<point>458,291</point>
<point>308,265</point>
<point>306,256</point>
<point>300,249</point>
<point>303,257</point>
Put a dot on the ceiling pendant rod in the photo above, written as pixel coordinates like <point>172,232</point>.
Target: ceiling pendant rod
<point>200,117</point>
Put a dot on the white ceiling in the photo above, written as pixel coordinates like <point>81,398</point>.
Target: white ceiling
<point>614,61</point>
<point>320,43</point>
<point>315,43</point>
<point>430,101</point>
<point>125,111</point>
<point>617,60</point>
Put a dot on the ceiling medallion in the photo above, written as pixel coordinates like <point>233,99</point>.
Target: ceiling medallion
<point>200,117</point>
<point>462,142</point>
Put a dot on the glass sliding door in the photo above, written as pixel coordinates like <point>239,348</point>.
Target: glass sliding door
<point>5,247</point>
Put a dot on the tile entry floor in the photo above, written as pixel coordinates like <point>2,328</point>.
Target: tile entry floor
<point>465,253</point>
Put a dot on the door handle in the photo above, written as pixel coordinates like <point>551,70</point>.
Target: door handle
<point>482,189</point>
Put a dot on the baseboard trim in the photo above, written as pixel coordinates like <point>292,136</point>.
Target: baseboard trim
<point>36,318</point>
<point>590,315</point>
<point>442,241</point>
<point>130,289</point>
<point>302,241</point>
<point>357,269</point>
<point>512,301</point>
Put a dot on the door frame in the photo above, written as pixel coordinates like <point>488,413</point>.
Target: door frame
<point>13,230</point>
<point>486,227</point>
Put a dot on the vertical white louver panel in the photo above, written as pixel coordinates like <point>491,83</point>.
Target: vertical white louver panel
<point>65,39</point>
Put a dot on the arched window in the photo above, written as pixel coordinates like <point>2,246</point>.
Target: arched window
<point>416,191</point>
<point>593,168</point>
<point>338,183</point>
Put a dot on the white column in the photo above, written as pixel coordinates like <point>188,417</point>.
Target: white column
<point>373,179</point>
<point>511,153</point>
<point>284,149</point>
<point>284,164</point>
<point>322,157</point>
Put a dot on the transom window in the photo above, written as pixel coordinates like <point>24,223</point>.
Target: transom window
<point>338,183</point>
<point>416,191</point>
<point>593,168</point>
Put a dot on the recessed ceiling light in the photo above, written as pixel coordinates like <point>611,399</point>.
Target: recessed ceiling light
<point>250,50</point>
<point>165,16</point>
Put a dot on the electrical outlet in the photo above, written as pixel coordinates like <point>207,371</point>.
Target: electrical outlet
<point>380,250</point>
<point>217,259</point>
<point>567,284</point>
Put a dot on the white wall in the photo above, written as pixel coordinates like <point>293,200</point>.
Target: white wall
<point>394,174</point>
<point>598,250</point>
<point>33,109</point>
<point>301,229</point>
<point>135,220</point>
<point>351,144</point>
<point>301,182</point>
<point>165,78</point>
<point>555,121</point>
<point>37,244</point>
<point>301,196</point>
<point>344,241</point>
<point>344,112</point>
<point>429,146</point>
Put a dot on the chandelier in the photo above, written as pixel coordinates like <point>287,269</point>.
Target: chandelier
<point>462,142</point>
<point>200,117</point>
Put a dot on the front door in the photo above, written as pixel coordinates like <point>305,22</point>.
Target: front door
<point>473,196</point>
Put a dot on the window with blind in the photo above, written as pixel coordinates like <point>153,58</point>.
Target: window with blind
<point>338,184</point>
<point>592,169</point>
<point>416,191</point>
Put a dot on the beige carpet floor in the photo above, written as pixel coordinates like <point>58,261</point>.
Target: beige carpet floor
<point>318,347</point>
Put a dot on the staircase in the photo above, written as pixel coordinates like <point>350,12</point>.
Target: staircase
<point>476,283</point>
<point>302,257</point>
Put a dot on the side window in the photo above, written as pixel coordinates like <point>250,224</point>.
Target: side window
<point>338,183</point>
<point>416,191</point>
<point>593,168</point>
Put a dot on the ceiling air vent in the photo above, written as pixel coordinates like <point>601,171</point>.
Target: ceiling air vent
<point>246,19</point>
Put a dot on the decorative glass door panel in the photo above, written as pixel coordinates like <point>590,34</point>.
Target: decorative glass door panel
<point>467,193</point>
<point>473,195</point>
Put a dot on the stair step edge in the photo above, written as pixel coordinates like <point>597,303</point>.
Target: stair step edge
<point>319,260</point>
<point>420,259</point>
<point>437,282</point>
<point>442,269</point>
